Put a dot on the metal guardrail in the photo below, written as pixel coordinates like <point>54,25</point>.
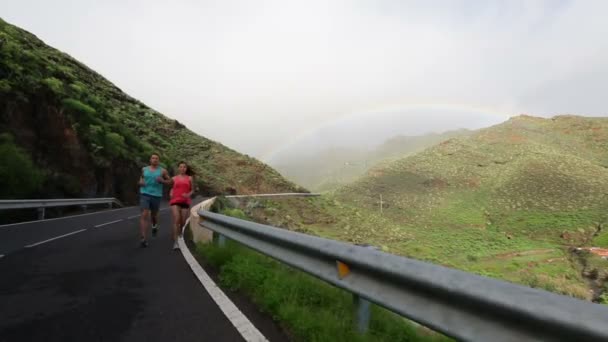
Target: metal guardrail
<point>286,194</point>
<point>41,204</point>
<point>456,303</point>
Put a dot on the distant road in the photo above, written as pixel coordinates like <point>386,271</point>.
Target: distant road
<point>84,278</point>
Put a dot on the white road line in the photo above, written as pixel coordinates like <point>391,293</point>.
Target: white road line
<point>164,209</point>
<point>134,216</point>
<point>55,238</point>
<point>247,330</point>
<point>62,218</point>
<point>107,223</point>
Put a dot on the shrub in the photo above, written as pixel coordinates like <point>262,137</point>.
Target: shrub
<point>73,104</point>
<point>238,213</point>
<point>19,177</point>
<point>78,87</point>
<point>55,85</point>
<point>5,86</point>
<point>114,144</point>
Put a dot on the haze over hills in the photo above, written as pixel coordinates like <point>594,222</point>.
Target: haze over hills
<point>67,131</point>
<point>332,167</point>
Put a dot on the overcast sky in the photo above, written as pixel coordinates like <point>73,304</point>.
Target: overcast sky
<point>260,76</point>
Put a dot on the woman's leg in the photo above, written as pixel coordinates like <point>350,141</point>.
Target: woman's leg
<point>175,212</point>
<point>185,214</point>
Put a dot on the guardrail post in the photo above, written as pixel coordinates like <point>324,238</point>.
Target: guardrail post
<point>41,213</point>
<point>110,205</point>
<point>84,208</point>
<point>219,239</point>
<point>362,313</point>
<point>362,305</point>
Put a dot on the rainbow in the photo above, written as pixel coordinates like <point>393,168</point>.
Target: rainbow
<point>501,115</point>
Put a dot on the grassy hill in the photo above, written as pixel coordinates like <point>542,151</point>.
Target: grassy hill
<point>338,166</point>
<point>67,131</point>
<point>509,201</point>
<point>512,201</point>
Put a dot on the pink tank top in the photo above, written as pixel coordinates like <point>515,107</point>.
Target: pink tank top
<point>181,186</point>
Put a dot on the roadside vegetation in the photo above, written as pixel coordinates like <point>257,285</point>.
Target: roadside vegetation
<point>307,308</point>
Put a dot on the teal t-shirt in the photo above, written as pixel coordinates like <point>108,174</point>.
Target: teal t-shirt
<point>152,187</point>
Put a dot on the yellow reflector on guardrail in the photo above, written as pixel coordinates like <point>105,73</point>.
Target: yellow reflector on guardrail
<point>343,269</point>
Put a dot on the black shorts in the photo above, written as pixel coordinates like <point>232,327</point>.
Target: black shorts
<point>182,205</point>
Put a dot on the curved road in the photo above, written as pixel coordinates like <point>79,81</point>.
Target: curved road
<point>96,284</point>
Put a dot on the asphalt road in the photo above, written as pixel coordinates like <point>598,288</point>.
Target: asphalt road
<point>96,284</point>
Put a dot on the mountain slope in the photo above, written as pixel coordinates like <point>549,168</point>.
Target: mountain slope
<point>76,134</point>
<point>525,164</point>
<point>510,201</point>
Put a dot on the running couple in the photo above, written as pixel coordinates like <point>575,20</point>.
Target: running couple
<point>151,191</point>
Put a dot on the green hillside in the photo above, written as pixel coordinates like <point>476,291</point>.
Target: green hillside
<point>67,131</point>
<point>512,201</point>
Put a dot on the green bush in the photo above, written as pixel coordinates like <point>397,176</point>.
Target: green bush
<point>55,85</point>
<point>130,138</point>
<point>73,104</point>
<point>66,71</point>
<point>78,88</point>
<point>19,177</point>
<point>95,101</point>
<point>115,144</point>
<point>234,212</point>
<point>5,86</point>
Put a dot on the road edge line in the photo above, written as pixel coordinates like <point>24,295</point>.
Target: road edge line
<point>242,324</point>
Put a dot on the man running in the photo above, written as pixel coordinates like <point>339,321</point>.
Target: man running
<point>151,191</point>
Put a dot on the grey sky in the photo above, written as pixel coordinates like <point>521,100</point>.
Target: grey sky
<point>261,75</point>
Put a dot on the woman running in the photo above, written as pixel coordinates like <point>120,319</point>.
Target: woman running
<point>183,187</point>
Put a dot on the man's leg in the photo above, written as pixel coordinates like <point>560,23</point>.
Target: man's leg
<point>154,208</point>
<point>154,217</point>
<point>143,225</point>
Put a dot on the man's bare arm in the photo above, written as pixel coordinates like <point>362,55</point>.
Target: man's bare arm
<point>166,179</point>
<point>141,179</point>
